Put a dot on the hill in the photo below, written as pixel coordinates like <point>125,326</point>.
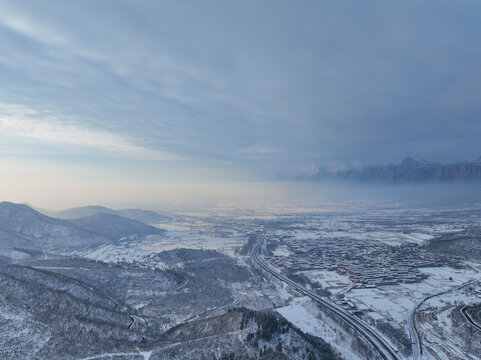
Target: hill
<point>76,308</point>
<point>23,229</point>
<point>84,211</point>
<point>23,226</point>
<point>116,227</point>
<point>144,216</point>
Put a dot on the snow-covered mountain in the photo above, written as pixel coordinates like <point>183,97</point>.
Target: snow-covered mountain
<point>116,227</point>
<point>84,211</point>
<point>43,231</point>
<point>144,216</point>
<point>23,227</point>
<point>72,308</point>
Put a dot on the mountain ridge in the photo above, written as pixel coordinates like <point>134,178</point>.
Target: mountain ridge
<point>115,226</point>
<point>409,170</point>
<point>144,216</point>
<point>24,227</point>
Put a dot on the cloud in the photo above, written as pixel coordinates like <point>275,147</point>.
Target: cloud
<point>23,121</point>
<point>230,84</point>
<point>29,27</point>
<point>258,150</point>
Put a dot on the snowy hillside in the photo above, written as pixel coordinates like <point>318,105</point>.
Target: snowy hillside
<point>144,216</point>
<point>22,227</point>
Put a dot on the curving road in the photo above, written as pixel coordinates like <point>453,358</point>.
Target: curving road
<point>416,343</point>
<point>469,318</point>
<point>382,347</point>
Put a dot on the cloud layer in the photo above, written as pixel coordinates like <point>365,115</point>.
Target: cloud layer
<point>255,88</point>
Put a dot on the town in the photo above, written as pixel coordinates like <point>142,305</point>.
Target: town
<point>366,263</point>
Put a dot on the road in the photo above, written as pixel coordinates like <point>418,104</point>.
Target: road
<point>145,354</point>
<point>382,347</point>
<point>469,318</point>
<point>416,343</point>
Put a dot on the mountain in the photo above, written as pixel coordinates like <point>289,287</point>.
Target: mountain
<point>116,227</point>
<point>9,240</point>
<point>47,314</point>
<point>40,231</point>
<point>409,171</point>
<point>84,211</point>
<point>22,227</point>
<point>243,334</point>
<point>144,216</point>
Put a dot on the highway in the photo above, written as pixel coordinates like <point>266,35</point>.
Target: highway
<point>382,347</point>
<point>416,344</point>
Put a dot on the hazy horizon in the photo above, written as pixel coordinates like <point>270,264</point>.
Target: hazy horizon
<point>258,198</point>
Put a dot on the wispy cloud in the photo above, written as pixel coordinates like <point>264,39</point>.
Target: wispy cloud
<point>23,121</point>
<point>258,150</point>
<point>231,85</point>
<point>28,27</point>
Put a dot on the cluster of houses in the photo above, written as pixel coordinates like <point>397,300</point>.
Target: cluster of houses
<point>366,263</point>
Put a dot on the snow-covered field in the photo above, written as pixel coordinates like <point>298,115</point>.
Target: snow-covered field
<point>194,239</point>
<point>301,312</point>
<point>281,251</point>
<point>393,302</point>
<point>180,236</point>
<point>329,280</point>
<point>113,253</point>
<point>305,314</point>
<point>445,333</point>
<point>381,227</point>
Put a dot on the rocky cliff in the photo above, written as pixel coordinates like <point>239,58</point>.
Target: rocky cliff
<point>410,171</point>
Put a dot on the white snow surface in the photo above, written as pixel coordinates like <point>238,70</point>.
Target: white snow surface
<point>304,314</point>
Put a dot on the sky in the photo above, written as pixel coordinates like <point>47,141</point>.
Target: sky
<point>98,97</point>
